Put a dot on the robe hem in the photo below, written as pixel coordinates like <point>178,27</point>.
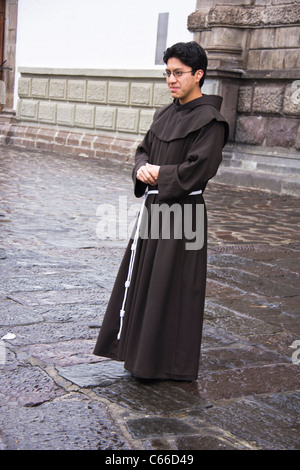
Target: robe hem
<point>162,376</point>
<point>142,376</point>
<point>109,356</point>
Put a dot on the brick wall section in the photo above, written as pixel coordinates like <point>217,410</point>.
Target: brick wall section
<point>68,142</point>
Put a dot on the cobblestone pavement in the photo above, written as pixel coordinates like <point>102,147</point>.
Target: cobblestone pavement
<point>56,277</point>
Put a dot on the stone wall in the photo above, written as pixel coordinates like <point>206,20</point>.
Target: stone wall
<point>86,112</point>
<point>108,101</point>
<point>268,114</point>
<point>260,39</point>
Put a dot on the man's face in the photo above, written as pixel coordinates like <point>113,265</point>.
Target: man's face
<point>186,87</point>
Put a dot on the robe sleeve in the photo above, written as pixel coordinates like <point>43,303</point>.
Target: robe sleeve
<point>141,158</point>
<point>200,165</point>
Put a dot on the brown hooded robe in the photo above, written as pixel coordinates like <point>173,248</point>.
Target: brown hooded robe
<point>162,329</point>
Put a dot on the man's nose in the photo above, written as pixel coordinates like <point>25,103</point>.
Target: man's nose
<point>172,78</point>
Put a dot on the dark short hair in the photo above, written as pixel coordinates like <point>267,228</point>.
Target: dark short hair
<point>190,54</point>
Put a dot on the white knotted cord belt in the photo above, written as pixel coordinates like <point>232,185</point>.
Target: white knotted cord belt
<point>133,252</point>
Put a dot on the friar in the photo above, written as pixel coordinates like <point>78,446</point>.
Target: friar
<point>154,318</point>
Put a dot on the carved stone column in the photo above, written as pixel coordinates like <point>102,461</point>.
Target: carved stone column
<point>9,54</point>
<point>227,29</point>
<point>257,42</point>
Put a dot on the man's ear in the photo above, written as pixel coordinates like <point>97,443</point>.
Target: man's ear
<point>199,75</point>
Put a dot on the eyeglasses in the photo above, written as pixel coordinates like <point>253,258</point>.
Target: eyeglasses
<point>176,73</point>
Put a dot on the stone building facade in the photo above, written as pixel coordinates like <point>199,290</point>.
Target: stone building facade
<point>254,63</point>
<point>260,39</point>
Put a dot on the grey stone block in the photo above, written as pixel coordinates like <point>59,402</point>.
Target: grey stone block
<point>84,116</point>
<point>96,91</point>
<point>76,90</point>
<point>254,59</point>
<point>58,89</point>
<point>162,95</point>
<point>284,38</point>
<point>245,99</point>
<point>281,132</point>
<point>262,38</point>
<point>39,87</point>
<point>92,375</point>
<point>141,94</point>
<point>297,143</point>
<point>142,428</point>
<point>24,86</point>
<point>28,110</point>
<point>65,114</point>
<point>47,112</point>
<point>268,99</point>
<point>118,93</point>
<point>251,129</point>
<point>272,59</point>
<point>291,103</point>
<point>127,120</point>
<point>105,117</point>
<point>291,58</point>
<point>146,118</point>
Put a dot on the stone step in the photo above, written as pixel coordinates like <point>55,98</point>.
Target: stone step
<point>273,182</point>
<point>269,168</point>
<point>270,160</point>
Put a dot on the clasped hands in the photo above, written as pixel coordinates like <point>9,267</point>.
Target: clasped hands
<point>148,174</point>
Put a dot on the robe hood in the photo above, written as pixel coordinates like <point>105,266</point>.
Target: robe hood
<point>176,121</point>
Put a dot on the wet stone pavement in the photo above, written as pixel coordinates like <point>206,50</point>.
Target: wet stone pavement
<point>56,278</point>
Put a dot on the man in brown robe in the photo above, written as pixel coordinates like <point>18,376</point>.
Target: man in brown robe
<point>161,313</point>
